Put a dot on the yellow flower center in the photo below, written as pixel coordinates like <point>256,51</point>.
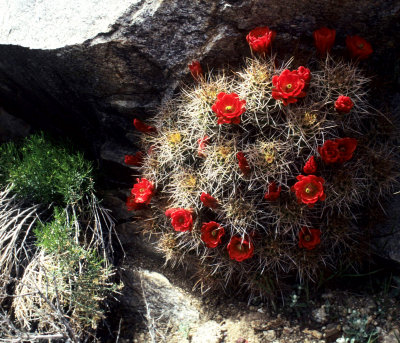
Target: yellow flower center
<point>289,86</point>
<point>141,190</point>
<point>307,238</point>
<point>309,118</point>
<point>228,108</point>
<point>360,46</point>
<point>224,151</point>
<point>269,152</point>
<point>181,220</point>
<point>174,138</point>
<point>310,188</point>
<point>269,157</point>
<point>190,181</point>
<point>239,247</point>
<point>214,233</point>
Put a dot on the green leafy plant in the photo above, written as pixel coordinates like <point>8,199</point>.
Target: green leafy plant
<point>54,274</point>
<point>45,172</point>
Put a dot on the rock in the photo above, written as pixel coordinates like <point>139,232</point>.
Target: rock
<point>319,314</point>
<point>209,332</point>
<point>391,337</point>
<point>269,335</point>
<point>314,333</point>
<point>388,243</point>
<point>332,332</point>
<point>85,68</point>
<point>160,302</point>
<point>12,128</point>
<point>240,331</point>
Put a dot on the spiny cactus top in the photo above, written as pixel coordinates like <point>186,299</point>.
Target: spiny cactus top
<point>265,172</point>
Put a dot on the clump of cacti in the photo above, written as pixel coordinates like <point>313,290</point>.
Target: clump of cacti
<point>266,172</point>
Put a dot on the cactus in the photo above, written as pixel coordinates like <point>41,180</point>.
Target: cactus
<point>238,165</point>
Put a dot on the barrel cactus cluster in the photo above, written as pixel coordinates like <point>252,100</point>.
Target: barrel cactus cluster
<point>266,173</point>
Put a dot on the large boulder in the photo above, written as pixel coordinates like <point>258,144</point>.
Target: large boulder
<point>84,68</point>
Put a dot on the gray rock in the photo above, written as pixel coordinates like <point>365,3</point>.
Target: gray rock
<point>388,241</point>
<point>11,127</point>
<point>208,332</point>
<point>85,68</point>
<point>55,24</point>
<point>160,302</point>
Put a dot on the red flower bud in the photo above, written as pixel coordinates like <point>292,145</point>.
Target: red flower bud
<point>343,104</point>
<point>243,164</point>
<point>142,127</point>
<point>324,39</point>
<point>208,200</point>
<point>202,142</point>
<point>273,192</point>
<point>134,160</point>
<point>260,39</point>
<point>132,205</point>
<point>311,166</point>
<point>196,70</point>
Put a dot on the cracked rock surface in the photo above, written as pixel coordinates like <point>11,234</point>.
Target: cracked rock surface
<point>84,68</point>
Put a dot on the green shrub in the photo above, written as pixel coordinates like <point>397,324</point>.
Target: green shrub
<point>44,172</point>
<point>9,157</point>
<point>82,276</point>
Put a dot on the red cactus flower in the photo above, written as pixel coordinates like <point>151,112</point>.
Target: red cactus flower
<point>311,166</point>
<point>338,151</point>
<point>346,147</point>
<point>324,39</point>
<point>343,104</point>
<point>358,47</point>
<point>273,192</point>
<point>143,191</point>
<point>240,249</point>
<point>211,234</point>
<point>329,152</point>
<point>260,39</point>
<point>228,108</point>
<point>142,127</point>
<point>288,86</point>
<point>243,164</point>
<point>181,219</point>
<point>196,70</point>
<point>208,200</point>
<point>132,205</point>
<point>305,74</point>
<point>309,238</point>
<point>309,189</point>
<point>202,142</point>
<point>134,160</point>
